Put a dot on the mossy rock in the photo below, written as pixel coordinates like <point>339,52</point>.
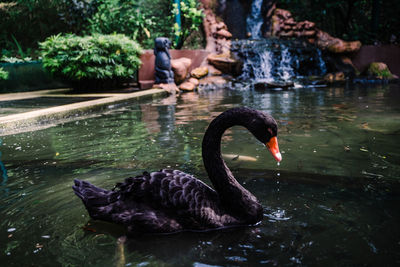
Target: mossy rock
<point>379,70</point>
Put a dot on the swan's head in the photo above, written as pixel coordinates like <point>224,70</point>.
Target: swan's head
<point>265,129</point>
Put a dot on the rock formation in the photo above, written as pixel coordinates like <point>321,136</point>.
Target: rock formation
<point>284,26</point>
<point>217,35</point>
<point>218,42</point>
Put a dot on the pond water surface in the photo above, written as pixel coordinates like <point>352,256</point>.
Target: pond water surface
<point>333,200</point>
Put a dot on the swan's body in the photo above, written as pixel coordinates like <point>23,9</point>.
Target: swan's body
<point>170,200</point>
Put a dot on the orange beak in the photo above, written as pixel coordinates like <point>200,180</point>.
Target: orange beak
<point>274,148</point>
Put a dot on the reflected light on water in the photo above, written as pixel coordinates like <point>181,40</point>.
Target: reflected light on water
<point>338,204</point>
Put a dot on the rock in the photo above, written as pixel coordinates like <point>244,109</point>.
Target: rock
<point>187,86</point>
<point>335,77</point>
<point>222,26</point>
<point>311,40</point>
<point>225,63</point>
<point>199,72</point>
<point>290,22</point>
<point>224,34</point>
<point>216,33</point>
<point>287,28</point>
<point>283,25</point>
<point>283,14</point>
<point>213,71</point>
<point>339,76</point>
<point>180,68</point>
<point>344,47</point>
<point>379,70</point>
<point>214,80</point>
<point>169,87</point>
<point>340,63</point>
<point>287,34</point>
<point>336,45</point>
<point>308,33</point>
<point>269,85</point>
<point>194,81</point>
<point>308,25</point>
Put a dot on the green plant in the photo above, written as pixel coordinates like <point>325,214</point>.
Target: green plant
<point>3,74</point>
<point>91,60</point>
<point>15,59</point>
<point>121,16</point>
<point>191,19</point>
<point>370,21</point>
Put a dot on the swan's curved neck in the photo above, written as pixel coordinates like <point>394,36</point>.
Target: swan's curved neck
<point>233,196</point>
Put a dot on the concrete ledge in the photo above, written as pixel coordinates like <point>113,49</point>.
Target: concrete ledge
<point>34,94</point>
<point>20,122</point>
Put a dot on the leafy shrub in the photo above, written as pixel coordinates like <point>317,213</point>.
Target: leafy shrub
<point>3,74</point>
<point>120,16</point>
<point>15,59</point>
<point>144,20</point>
<point>91,61</point>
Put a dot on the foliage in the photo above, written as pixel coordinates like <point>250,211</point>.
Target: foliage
<point>15,59</point>
<point>371,21</point>
<point>91,58</point>
<point>25,22</point>
<point>76,13</point>
<point>144,20</point>
<point>191,19</point>
<point>121,16</point>
<point>28,21</point>
<point>3,74</point>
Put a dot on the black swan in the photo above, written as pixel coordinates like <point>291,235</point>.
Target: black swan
<point>170,200</point>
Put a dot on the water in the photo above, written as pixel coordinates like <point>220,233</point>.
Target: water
<point>333,200</point>
<point>271,60</point>
<point>255,20</point>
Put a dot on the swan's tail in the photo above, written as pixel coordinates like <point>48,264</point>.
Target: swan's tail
<point>97,201</point>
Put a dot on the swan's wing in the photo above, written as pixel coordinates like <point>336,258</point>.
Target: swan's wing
<point>142,218</point>
<point>178,194</point>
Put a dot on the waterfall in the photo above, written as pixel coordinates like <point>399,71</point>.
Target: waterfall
<point>254,20</point>
<point>321,62</point>
<point>274,60</point>
<point>285,70</point>
<point>278,60</point>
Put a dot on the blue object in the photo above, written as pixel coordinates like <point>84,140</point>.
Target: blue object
<point>178,20</point>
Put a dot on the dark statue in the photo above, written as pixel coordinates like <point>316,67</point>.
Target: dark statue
<point>164,74</point>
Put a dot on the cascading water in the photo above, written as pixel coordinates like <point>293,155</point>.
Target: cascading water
<point>254,20</point>
<point>273,60</point>
<point>269,60</point>
<point>285,66</point>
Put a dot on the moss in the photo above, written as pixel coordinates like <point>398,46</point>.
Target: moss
<point>380,70</point>
<point>3,74</point>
